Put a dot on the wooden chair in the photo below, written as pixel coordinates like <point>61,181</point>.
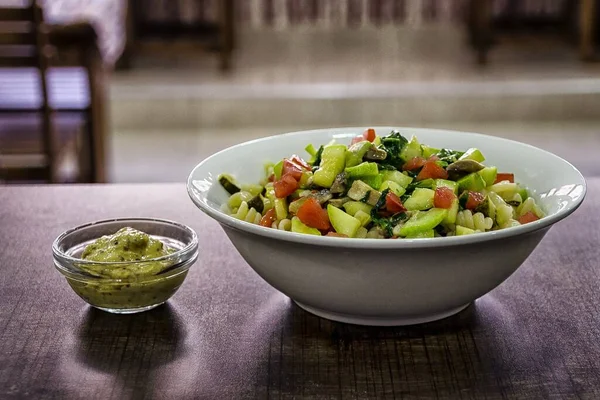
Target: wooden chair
<point>215,36</point>
<point>483,27</point>
<point>41,130</point>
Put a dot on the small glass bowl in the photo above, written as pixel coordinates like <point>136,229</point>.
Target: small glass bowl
<point>131,295</point>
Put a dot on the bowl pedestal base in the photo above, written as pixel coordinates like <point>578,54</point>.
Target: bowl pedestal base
<point>383,321</point>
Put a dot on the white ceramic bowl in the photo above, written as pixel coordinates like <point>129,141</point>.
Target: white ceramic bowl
<point>388,282</point>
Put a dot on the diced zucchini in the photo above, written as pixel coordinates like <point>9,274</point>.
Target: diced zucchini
<point>356,152</point>
<point>277,169</point>
<point>398,177</point>
<point>360,191</point>
<point>362,170</point>
<point>423,221</point>
<point>373,181</point>
<point>461,231</point>
<point>421,199</point>
<point>296,204</point>
<point>257,203</point>
<point>363,217</point>
<point>305,179</point>
<point>299,227</point>
<point>281,209</point>
<point>445,183</point>
<point>342,222</point>
<point>425,183</point>
<point>394,188</point>
<point>333,161</point>
<point>473,154</point>
<point>489,175</point>
<point>452,213</point>
<point>523,192</point>
<point>310,149</point>
<point>473,182</point>
<point>254,189</point>
<point>487,208</point>
<point>377,141</point>
<point>422,235</point>
<point>411,150</point>
<point>428,151</point>
<point>352,207</point>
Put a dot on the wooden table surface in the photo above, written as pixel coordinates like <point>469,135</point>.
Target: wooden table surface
<point>228,335</point>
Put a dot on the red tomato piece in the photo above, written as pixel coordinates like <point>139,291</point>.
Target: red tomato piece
<point>474,199</point>
<point>357,139</point>
<point>393,203</point>
<point>335,234</point>
<point>433,171</point>
<point>414,163</point>
<point>312,214</point>
<point>300,162</point>
<point>285,186</point>
<point>505,177</point>
<point>268,219</point>
<point>433,158</point>
<point>292,169</point>
<point>527,218</point>
<point>443,197</point>
<point>369,134</point>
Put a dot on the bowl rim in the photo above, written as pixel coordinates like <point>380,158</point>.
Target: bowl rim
<point>331,241</point>
<point>189,253</point>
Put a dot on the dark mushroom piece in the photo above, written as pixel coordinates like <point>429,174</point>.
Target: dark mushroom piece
<point>375,154</point>
<point>322,196</point>
<point>339,202</point>
<point>461,168</point>
<point>339,184</point>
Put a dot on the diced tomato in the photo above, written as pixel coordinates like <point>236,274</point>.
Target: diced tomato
<point>300,162</point>
<point>433,171</point>
<point>272,178</point>
<point>292,169</point>
<point>505,177</point>
<point>312,214</point>
<point>433,158</point>
<point>335,234</point>
<point>443,197</point>
<point>369,134</point>
<point>285,186</point>
<point>414,163</point>
<point>527,218</point>
<point>357,139</point>
<point>393,203</point>
<point>474,199</point>
<point>268,219</point>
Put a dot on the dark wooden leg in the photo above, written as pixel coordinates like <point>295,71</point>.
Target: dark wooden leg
<point>481,28</point>
<point>226,33</point>
<point>587,19</point>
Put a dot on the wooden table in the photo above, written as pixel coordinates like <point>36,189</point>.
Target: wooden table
<point>228,335</point>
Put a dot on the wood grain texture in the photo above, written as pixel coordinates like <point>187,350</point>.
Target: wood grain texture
<point>228,335</point>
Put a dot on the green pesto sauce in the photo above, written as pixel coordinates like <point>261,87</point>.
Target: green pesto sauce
<point>127,245</point>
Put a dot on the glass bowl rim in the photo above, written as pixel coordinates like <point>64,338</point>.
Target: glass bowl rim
<point>189,253</point>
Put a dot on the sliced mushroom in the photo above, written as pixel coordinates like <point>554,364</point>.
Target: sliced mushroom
<point>322,196</point>
<point>339,184</point>
<point>339,202</point>
<point>375,154</point>
<point>360,191</point>
<point>462,168</point>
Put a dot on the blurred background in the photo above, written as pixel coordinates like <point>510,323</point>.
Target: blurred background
<point>142,90</point>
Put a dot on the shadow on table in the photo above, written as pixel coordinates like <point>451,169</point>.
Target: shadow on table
<point>137,342</point>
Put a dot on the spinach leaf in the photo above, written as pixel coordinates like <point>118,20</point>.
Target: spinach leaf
<point>393,145</point>
<point>449,156</point>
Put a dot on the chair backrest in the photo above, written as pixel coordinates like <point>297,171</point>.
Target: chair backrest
<point>24,43</point>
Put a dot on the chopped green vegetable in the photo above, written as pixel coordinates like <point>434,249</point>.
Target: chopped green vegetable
<point>332,163</point>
